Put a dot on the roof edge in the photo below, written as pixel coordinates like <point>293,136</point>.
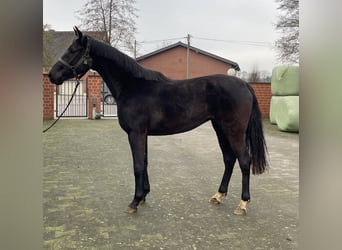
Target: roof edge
<point>197,50</point>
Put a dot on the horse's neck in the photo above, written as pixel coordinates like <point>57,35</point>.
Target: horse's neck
<point>110,75</point>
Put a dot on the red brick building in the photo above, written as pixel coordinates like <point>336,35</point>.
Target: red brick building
<point>172,62</point>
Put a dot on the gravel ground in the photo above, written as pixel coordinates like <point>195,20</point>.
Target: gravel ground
<point>88,182</point>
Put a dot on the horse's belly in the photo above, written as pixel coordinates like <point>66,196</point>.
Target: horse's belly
<point>178,124</point>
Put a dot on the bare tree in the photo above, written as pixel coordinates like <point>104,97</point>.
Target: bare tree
<point>254,76</point>
<point>115,17</point>
<point>288,24</point>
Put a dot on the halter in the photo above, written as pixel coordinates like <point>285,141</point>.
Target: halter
<point>85,59</point>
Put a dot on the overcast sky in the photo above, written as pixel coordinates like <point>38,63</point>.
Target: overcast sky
<point>228,28</point>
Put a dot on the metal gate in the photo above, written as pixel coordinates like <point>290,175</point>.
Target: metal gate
<point>108,105</point>
<point>78,107</point>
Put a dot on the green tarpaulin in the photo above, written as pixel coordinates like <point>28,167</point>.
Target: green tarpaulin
<point>284,112</point>
<point>273,107</point>
<point>285,81</point>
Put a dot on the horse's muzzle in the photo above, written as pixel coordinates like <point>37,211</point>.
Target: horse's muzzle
<point>55,80</point>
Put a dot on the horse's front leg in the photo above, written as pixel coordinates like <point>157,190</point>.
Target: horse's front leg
<point>138,143</point>
<point>146,181</point>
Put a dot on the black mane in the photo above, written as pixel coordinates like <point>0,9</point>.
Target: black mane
<point>126,63</point>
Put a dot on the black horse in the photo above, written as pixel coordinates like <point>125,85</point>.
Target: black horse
<point>149,103</point>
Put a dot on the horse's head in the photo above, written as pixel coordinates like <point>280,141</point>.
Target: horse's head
<point>75,62</point>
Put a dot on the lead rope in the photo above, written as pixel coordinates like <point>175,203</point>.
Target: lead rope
<point>59,117</point>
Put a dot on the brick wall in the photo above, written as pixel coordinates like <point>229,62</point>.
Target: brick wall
<point>94,92</point>
<point>262,91</point>
<point>48,98</point>
<point>264,95</point>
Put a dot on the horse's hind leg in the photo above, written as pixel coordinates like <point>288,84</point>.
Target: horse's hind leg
<point>233,144</point>
<point>229,159</point>
<point>238,143</point>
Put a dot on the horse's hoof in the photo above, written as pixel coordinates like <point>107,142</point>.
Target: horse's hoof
<point>241,210</point>
<point>142,202</point>
<point>130,210</point>
<point>216,199</point>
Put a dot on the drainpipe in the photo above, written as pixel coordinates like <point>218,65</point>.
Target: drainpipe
<point>188,58</point>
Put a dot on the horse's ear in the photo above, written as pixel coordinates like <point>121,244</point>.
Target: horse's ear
<point>78,33</point>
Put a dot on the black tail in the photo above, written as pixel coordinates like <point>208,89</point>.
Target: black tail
<point>255,138</point>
